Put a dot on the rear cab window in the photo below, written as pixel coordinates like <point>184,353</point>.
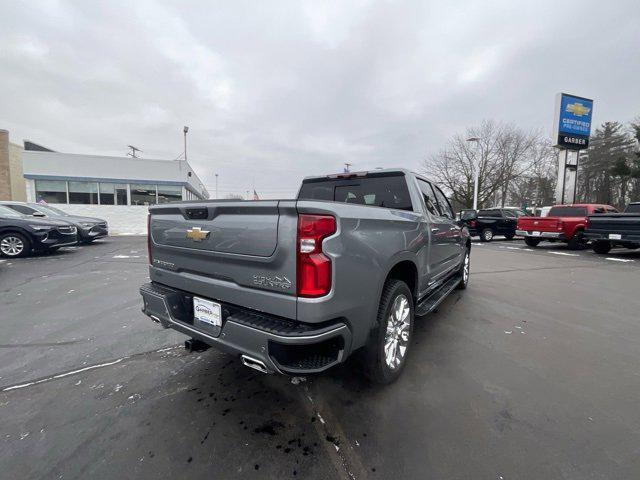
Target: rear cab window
<point>568,211</point>
<point>388,190</point>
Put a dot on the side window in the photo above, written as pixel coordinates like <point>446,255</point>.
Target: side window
<point>23,209</point>
<point>490,213</point>
<point>509,214</point>
<point>429,197</point>
<point>443,203</point>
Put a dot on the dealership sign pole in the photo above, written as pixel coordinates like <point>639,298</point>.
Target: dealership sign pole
<point>571,130</point>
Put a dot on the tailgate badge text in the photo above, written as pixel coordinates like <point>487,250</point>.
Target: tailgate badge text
<point>275,281</point>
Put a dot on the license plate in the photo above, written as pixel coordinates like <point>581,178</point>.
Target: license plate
<point>615,236</point>
<point>207,311</point>
<point>535,234</point>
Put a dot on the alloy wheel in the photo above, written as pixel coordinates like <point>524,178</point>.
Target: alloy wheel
<point>396,339</point>
<point>11,246</point>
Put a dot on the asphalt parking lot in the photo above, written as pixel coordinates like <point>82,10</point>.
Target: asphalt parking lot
<point>532,372</point>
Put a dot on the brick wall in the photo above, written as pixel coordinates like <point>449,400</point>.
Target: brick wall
<point>5,170</point>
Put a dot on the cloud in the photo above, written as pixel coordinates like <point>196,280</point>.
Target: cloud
<point>276,91</point>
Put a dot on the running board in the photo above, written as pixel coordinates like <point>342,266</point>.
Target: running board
<point>430,303</point>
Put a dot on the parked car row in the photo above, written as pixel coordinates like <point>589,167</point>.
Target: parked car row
<point>576,225</point>
<point>31,227</point>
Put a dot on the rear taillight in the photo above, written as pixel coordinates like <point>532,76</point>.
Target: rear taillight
<point>560,225</point>
<point>472,223</point>
<point>313,266</point>
<point>149,239</point>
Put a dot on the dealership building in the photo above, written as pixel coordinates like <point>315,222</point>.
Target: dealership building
<point>118,189</point>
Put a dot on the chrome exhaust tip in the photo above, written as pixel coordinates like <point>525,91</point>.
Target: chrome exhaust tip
<point>254,363</point>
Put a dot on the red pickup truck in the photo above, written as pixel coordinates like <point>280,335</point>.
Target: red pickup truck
<point>565,223</point>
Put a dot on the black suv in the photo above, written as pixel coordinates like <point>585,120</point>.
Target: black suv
<point>489,222</point>
<point>21,234</point>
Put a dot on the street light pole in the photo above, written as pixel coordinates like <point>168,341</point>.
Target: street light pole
<point>185,129</point>
<point>216,185</point>
<point>476,173</point>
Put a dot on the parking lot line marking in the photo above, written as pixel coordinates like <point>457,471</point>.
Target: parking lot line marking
<point>565,254</point>
<point>62,375</point>
<point>613,259</point>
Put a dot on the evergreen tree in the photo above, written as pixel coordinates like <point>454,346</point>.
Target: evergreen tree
<point>605,170</point>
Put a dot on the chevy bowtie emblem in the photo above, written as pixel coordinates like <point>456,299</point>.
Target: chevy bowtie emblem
<point>578,109</point>
<point>197,234</point>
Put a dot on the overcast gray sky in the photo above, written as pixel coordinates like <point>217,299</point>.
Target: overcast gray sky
<point>274,91</point>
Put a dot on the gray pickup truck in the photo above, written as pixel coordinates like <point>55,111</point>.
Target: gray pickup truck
<point>297,286</point>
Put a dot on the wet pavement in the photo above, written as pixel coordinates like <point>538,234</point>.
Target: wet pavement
<point>532,372</point>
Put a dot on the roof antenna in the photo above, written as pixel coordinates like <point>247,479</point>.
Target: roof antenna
<point>133,152</point>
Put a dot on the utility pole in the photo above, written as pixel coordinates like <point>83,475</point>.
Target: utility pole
<point>346,167</point>
<point>185,129</point>
<point>476,173</point>
<point>217,185</point>
<point>133,152</point>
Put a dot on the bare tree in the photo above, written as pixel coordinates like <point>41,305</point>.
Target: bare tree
<point>502,154</point>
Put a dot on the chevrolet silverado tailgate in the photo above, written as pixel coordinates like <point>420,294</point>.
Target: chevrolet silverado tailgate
<point>615,223</point>
<point>230,251</point>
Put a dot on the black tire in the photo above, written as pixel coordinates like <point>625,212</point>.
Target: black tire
<point>578,241</point>
<point>532,242</point>
<point>486,235</point>
<point>464,270</point>
<point>601,247</point>
<point>375,361</point>
<point>509,236</point>
<point>16,239</point>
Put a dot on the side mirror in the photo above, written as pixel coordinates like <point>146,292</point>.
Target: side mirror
<point>38,214</point>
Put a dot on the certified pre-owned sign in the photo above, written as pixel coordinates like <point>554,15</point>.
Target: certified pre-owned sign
<point>572,121</point>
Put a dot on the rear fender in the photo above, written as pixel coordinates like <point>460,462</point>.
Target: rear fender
<point>395,260</point>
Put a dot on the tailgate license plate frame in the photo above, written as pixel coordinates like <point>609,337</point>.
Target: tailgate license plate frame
<point>535,234</point>
<point>207,313</point>
<point>615,236</point>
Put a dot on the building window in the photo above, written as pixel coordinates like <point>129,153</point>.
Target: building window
<point>51,191</point>
<point>121,194</point>
<point>113,194</point>
<point>107,193</point>
<point>169,193</point>
<point>142,194</point>
<point>83,193</point>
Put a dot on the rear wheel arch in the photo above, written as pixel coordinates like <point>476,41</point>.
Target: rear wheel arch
<point>407,272</point>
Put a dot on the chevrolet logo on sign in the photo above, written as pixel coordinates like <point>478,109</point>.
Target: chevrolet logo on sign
<point>197,234</point>
<point>578,109</point>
